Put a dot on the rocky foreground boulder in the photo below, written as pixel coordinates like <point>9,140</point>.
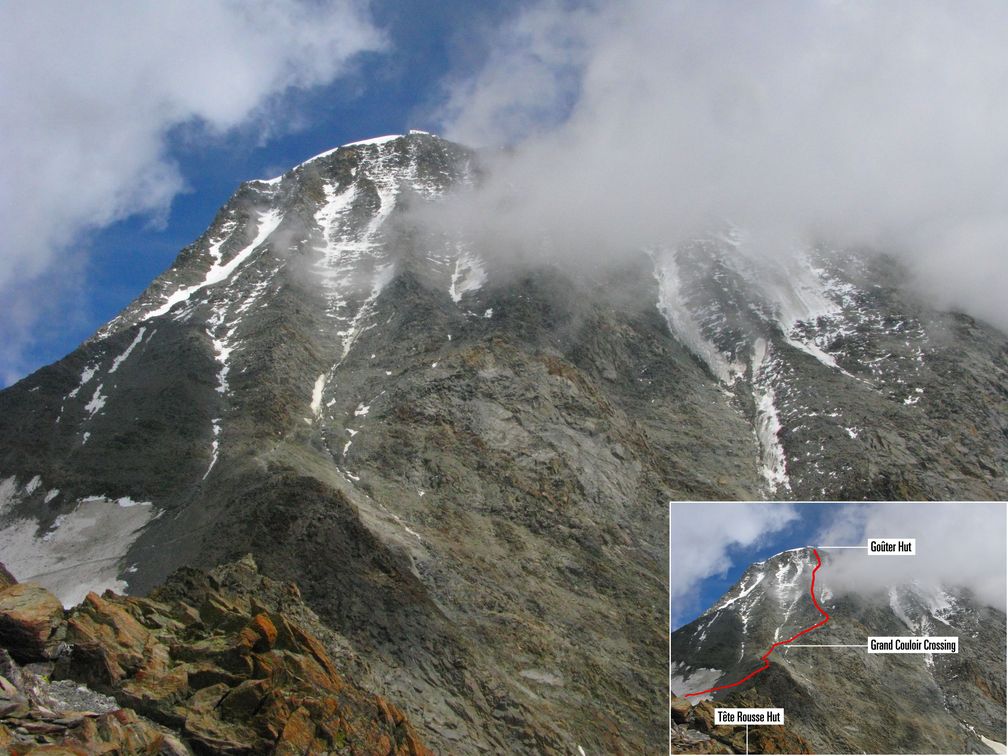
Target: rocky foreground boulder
<point>226,662</point>
<point>29,619</point>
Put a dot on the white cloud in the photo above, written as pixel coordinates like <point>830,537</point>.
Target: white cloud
<point>646,120</point>
<point>700,535</point>
<point>88,92</point>
<point>958,545</point>
<point>527,80</point>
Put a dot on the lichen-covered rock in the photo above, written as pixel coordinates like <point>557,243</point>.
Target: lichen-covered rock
<point>221,671</point>
<point>235,675</point>
<point>29,617</point>
<point>63,717</point>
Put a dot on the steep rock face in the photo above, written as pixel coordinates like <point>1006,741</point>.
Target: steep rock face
<point>857,390</point>
<point>464,462</point>
<point>844,699</point>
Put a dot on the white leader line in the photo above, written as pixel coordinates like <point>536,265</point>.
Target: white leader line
<point>827,645</point>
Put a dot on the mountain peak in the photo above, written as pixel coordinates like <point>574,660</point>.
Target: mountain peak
<point>795,553</point>
<point>369,142</point>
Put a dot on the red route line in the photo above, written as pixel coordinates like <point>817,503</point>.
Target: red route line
<point>766,661</point>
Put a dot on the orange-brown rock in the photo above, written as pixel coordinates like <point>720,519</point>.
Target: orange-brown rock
<point>298,733</point>
<point>233,676</point>
<point>42,723</point>
<point>109,644</point>
<point>122,731</point>
<point>696,733</point>
<point>29,617</point>
<point>267,632</point>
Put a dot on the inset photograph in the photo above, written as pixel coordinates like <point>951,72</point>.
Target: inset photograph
<point>837,628</point>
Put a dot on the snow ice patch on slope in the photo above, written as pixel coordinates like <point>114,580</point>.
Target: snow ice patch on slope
<point>97,402</point>
<point>316,401</point>
<point>86,375</point>
<point>798,293</point>
<point>81,552</point>
<point>672,304</point>
<point>783,584</point>
<point>768,424</point>
<point>687,680</point>
<point>382,275</point>
<point>129,350</point>
<point>994,745</point>
<point>267,224</point>
<point>225,233</point>
<point>786,551</point>
<point>374,140</point>
<point>8,494</point>
<point>351,257</point>
<point>802,296</point>
<point>468,275</point>
<point>788,590</point>
<point>897,607</point>
<point>221,340</point>
<point>361,143</point>
<point>214,446</point>
<point>745,591</point>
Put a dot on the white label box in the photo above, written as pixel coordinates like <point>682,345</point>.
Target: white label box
<point>924,644</point>
<point>749,716</point>
<point>892,547</point>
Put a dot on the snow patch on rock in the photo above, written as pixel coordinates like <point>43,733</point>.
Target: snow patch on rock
<point>86,375</point>
<point>685,679</point>
<point>468,275</point>
<point>214,446</point>
<point>768,424</point>
<point>267,224</point>
<point>672,304</point>
<point>129,350</point>
<point>316,401</point>
<point>96,403</point>
<point>82,550</point>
